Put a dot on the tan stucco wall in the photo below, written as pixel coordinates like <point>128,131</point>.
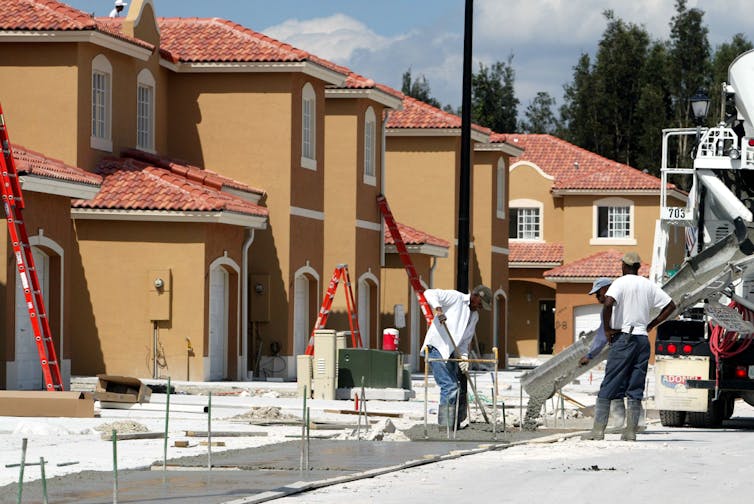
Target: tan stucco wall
<point>421,188</point>
<point>40,98</point>
<point>528,183</point>
<point>113,333</point>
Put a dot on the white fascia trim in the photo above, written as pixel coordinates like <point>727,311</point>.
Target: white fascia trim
<point>305,67</point>
<point>602,192</point>
<point>674,193</point>
<point>420,132</point>
<point>612,241</point>
<point>230,218</point>
<point>375,95</point>
<point>90,36</point>
<point>425,249</point>
<point>538,265</point>
<point>531,165</point>
<point>500,250</point>
<point>371,226</point>
<point>309,214</point>
<point>244,195</point>
<point>570,279</point>
<point>58,187</point>
<point>499,147</point>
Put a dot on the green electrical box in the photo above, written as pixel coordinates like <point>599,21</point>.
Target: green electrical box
<point>380,368</point>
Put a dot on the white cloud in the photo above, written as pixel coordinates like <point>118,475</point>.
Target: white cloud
<point>335,37</point>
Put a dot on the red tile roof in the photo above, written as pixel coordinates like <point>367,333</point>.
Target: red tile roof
<point>179,167</point>
<point>577,168</point>
<point>420,115</point>
<point>412,236</point>
<point>535,252</point>
<point>35,163</point>
<point>51,15</point>
<point>601,264</point>
<point>131,184</point>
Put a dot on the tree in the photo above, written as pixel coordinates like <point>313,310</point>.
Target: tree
<point>577,114</point>
<point>654,109</point>
<point>418,89</point>
<point>723,57</point>
<point>539,115</point>
<point>493,98</point>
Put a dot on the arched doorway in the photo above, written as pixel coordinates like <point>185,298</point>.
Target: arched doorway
<point>28,374</point>
<point>218,323</point>
<point>305,288</point>
<point>367,310</point>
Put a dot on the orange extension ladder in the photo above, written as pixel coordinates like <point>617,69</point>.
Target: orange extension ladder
<point>340,273</point>
<point>13,204</point>
<point>413,277</point>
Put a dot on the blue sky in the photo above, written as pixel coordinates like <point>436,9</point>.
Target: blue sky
<point>383,38</point>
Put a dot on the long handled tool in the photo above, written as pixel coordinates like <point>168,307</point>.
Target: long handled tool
<point>468,378</point>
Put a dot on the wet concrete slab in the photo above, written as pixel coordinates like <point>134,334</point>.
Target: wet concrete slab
<point>251,471</point>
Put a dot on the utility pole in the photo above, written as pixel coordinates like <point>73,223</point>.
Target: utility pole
<point>464,183</point>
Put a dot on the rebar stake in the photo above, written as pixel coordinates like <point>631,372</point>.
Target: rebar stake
<point>165,443</point>
<point>303,433</point>
<point>115,466</point>
<point>44,479</point>
<point>494,397</point>
<point>24,442</point>
<point>209,431</point>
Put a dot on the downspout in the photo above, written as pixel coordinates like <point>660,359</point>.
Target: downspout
<point>383,135</point>
<point>245,303</point>
<point>432,272</point>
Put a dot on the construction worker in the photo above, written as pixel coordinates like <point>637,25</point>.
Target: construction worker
<point>617,406</point>
<point>119,5</point>
<point>459,312</point>
<point>625,315</point>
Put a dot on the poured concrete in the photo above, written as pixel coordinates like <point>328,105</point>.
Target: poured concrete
<point>257,471</point>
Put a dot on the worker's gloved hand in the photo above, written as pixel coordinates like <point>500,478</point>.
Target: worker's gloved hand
<point>584,360</point>
<point>464,363</point>
<point>442,318</point>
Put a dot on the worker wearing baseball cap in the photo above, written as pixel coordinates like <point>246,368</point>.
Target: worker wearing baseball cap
<point>628,303</point>
<point>461,313</point>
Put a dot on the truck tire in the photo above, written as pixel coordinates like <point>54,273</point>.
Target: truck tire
<point>672,418</point>
<point>710,419</point>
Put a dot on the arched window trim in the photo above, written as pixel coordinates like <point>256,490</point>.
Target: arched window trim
<point>101,87</point>
<point>370,146</point>
<point>145,110</point>
<point>308,127</point>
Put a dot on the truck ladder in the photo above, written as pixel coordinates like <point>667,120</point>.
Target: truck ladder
<point>413,277</point>
<point>13,204</point>
<point>340,273</point>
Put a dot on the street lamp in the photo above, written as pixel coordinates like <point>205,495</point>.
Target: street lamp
<point>699,105</point>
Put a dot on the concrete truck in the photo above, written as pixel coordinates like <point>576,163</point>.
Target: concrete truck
<point>704,355</point>
<point>704,359</point>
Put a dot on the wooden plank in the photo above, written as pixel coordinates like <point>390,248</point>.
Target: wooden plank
<point>369,413</point>
<point>225,434</point>
<point>214,443</point>
<point>126,436</point>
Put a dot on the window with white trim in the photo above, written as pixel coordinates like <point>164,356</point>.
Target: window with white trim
<point>525,220</point>
<point>102,71</point>
<point>370,145</point>
<point>613,221</point>
<point>501,173</point>
<point>308,127</point>
<point>145,111</point>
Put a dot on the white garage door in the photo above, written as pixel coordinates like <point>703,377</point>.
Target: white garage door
<point>586,319</point>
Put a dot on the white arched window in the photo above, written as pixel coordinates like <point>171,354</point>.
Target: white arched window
<point>308,127</point>
<point>102,77</point>
<point>526,220</point>
<point>500,176</point>
<point>370,146</point>
<point>145,93</point>
<point>613,222</point>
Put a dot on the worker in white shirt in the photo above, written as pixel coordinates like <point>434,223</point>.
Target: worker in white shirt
<point>119,5</point>
<point>459,312</point>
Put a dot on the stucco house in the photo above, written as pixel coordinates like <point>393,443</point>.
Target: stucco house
<point>572,212</point>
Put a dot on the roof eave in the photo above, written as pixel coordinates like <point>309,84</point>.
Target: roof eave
<point>538,265</point>
<point>376,95</point>
<point>89,36</point>
<point>581,192</point>
<point>47,185</point>
<point>502,147</point>
<point>424,249</point>
<point>449,132</point>
<point>305,67</point>
<point>214,217</point>
<point>582,279</point>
